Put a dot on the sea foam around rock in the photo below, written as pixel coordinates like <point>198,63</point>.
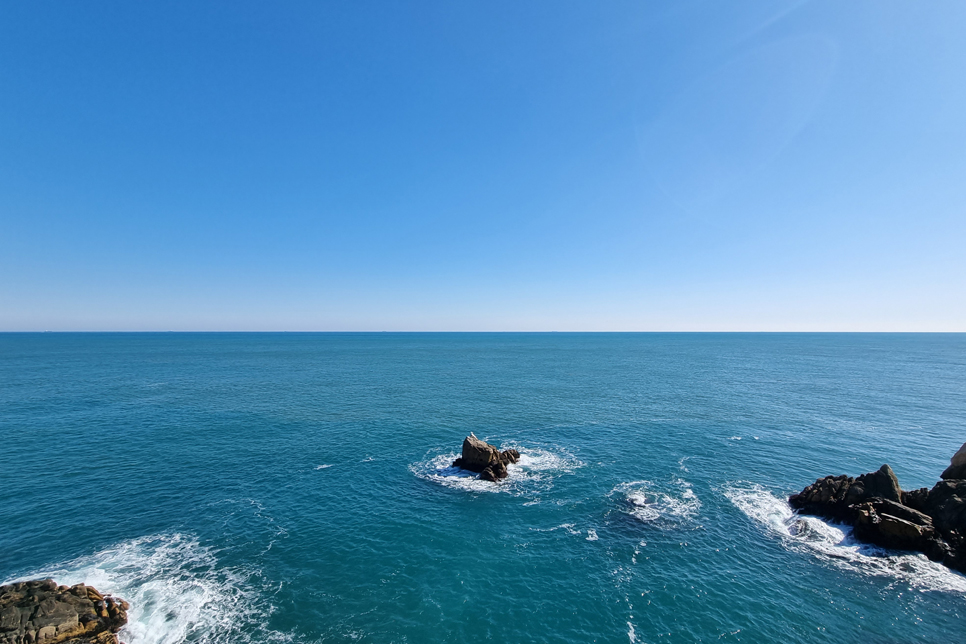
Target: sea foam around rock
<point>177,590</point>
<point>833,544</point>
<point>535,470</point>
<point>648,501</point>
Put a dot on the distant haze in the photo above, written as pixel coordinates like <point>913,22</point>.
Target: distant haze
<point>539,166</point>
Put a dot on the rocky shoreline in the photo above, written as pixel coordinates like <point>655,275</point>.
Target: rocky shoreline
<point>931,521</point>
<point>42,611</point>
<point>485,459</point>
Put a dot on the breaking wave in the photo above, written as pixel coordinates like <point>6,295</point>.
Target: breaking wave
<point>649,502</point>
<point>835,545</point>
<point>177,591</point>
<point>535,470</point>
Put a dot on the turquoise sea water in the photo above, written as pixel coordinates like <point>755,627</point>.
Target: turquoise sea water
<point>294,487</point>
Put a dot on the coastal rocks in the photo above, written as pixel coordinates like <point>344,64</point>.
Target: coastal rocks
<point>893,525</point>
<point>41,611</point>
<point>931,521</point>
<point>485,459</point>
<point>957,465</point>
<point>833,496</point>
<point>946,503</point>
<point>882,484</point>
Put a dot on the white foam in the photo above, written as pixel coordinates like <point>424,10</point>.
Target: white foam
<point>177,592</point>
<point>592,535</point>
<point>734,438</point>
<point>322,467</point>
<point>647,501</point>
<point>835,545</point>
<point>631,635</point>
<point>536,469</point>
<point>569,527</point>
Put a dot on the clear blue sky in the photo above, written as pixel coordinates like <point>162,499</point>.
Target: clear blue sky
<point>483,165</point>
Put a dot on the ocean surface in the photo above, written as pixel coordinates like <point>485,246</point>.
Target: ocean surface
<point>296,487</point>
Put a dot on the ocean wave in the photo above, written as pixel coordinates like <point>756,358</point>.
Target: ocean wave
<point>835,545</point>
<point>535,470</point>
<point>649,502</point>
<point>177,592</point>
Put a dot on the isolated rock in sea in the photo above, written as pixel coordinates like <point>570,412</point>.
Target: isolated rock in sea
<point>42,611</point>
<point>957,465</point>
<point>479,456</point>
<point>929,521</point>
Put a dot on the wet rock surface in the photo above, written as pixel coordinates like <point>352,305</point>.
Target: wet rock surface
<point>42,611</point>
<point>479,456</point>
<point>931,521</point>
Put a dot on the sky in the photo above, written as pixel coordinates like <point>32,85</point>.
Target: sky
<point>483,166</point>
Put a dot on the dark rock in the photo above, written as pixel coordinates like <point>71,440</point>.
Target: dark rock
<point>892,525</point>
<point>882,484</point>
<point>479,456</point>
<point>957,465</point>
<point>825,497</point>
<point>42,611</point>
<point>915,499</point>
<point>946,504</point>
<point>932,521</point>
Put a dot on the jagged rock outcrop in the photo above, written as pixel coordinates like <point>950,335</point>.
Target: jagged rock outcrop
<point>931,521</point>
<point>480,456</point>
<point>833,496</point>
<point>42,611</point>
<point>957,465</point>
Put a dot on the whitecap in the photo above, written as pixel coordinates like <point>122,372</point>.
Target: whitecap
<point>648,502</point>
<point>592,535</point>
<point>177,591</point>
<point>834,544</point>
<point>322,467</point>
<point>569,527</point>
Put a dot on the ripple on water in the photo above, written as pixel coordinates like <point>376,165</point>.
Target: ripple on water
<point>834,544</point>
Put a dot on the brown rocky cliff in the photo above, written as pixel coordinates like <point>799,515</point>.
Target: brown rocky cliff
<point>41,611</point>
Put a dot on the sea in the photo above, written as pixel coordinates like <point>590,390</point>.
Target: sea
<point>288,487</point>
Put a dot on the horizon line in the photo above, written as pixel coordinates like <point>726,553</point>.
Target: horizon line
<point>411,332</point>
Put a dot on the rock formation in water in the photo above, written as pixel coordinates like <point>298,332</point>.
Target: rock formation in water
<point>42,611</point>
<point>957,466</point>
<point>931,521</point>
<point>479,456</point>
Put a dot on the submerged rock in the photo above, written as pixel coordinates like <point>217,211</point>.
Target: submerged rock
<point>42,611</point>
<point>485,459</point>
<point>928,521</point>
